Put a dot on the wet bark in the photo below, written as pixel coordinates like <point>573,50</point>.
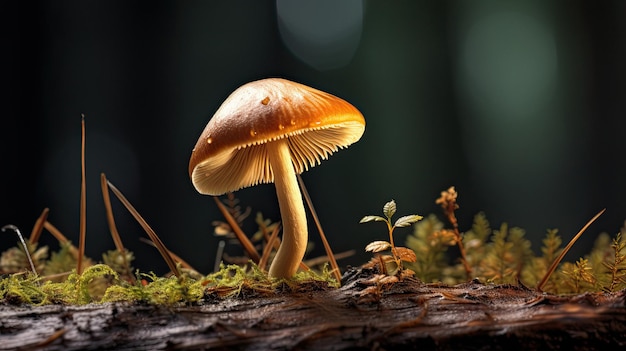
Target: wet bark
<point>360,315</point>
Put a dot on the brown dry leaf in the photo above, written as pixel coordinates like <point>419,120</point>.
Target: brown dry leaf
<point>405,254</point>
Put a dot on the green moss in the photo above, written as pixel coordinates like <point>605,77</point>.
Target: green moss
<point>151,289</point>
<point>22,288</point>
<point>81,289</point>
<point>240,281</point>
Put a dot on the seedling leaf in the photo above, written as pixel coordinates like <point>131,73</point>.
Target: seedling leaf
<point>372,218</point>
<point>377,246</point>
<point>389,209</point>
<point>406,221</point>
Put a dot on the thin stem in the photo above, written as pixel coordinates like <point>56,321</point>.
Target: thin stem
<point>19,235</point>
<point>393,245</point>
<point>459,242</point>
<point>390,228</point>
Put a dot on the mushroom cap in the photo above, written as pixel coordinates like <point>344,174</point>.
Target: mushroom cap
<point>230,153</point>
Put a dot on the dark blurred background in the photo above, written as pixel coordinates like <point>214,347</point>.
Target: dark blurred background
<point>521,105</point>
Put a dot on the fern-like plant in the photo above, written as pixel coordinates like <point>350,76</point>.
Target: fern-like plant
<point>617,268</point>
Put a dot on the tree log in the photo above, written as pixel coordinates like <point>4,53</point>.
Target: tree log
<point>365,313</point>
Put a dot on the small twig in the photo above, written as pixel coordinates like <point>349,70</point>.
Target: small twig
<point>165,253</point>
<point>241,236</point>
<point>565,250</point>
<point>83,203</point>
<point>329,251</point>
<point>38,227</point>
<point>19,235</point>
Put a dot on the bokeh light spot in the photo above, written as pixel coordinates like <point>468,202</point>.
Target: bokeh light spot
<point>324,34</point>
<point>509,63</point>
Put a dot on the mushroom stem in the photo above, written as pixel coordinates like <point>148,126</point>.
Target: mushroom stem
<point>295,237</point>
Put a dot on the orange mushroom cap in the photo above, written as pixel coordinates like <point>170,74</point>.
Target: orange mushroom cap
<point>230,153</point>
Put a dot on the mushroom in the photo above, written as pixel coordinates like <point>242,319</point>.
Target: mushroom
<point>267,131</point>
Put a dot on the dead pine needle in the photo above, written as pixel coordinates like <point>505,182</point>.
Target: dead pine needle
<point>115,235</point>
<point>271,241</point>
<point>117,240</point>
<point>565,250</point>
<point>241,236</point>
<point>176,258</point>
<point>83,203</point>
<point>165,253</point>
<point>331,258</point>
<point>38,227</point>
<point>56,233</point>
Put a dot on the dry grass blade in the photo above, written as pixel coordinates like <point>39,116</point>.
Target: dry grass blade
<point>38,227</point>
<point>241,236</point>
<point>565,250</point>
<point>165,253</point>
<point>329,252</point>
<point>83,203</point>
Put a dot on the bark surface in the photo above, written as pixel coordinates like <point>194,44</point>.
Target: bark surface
<point>362,314</point>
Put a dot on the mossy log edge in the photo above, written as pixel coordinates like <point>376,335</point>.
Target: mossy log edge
<point>404,315</point>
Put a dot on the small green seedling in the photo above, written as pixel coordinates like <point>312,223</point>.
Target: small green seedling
<point>398,254</point>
